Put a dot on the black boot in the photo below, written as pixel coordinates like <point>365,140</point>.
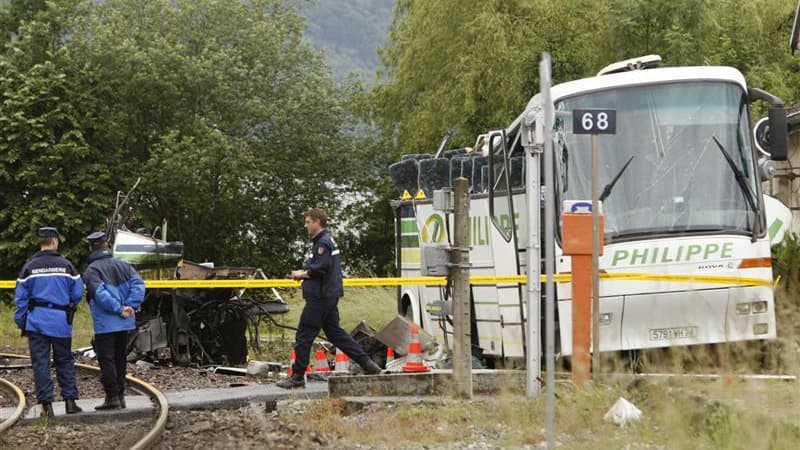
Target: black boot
<point>71,407</point>
<point>293,382</point>
<point>370,368</point>
<point>47,410</point>
<point>112,402</point>
<point>122,401</point>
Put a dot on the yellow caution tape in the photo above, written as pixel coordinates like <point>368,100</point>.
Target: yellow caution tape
<point>441,281</point>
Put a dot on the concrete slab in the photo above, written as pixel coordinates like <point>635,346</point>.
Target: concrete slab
<point>435,382</point>
<point>140,406</point>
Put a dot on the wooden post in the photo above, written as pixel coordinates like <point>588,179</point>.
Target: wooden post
<point>462,351</point>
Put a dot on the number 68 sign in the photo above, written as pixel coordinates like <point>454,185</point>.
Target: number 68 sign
<point>594,121</point>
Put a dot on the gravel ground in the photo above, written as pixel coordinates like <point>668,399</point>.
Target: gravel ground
<point>163,378</point>
<point>182,378</point>
<point>71,436</point>
<point>245,428</point>
<point>6,399</point>
<point>88,384</point>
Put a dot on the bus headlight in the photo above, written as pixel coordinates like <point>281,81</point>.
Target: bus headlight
<point>759,307</point>
<point>760,328</point>
<point>743,308</point>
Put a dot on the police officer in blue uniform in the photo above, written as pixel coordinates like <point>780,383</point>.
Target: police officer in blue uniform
<point>47,293</point>
<point>114,291</point>
<point>322,287</point>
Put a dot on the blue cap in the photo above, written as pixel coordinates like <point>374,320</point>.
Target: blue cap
<point>47,232</point>
<point>96,237</point>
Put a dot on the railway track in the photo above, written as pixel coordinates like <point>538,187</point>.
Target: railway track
<point>149,438</point>
<point>14,392</point>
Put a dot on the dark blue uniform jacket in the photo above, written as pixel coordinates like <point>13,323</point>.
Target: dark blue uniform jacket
<point>324,269</point>
<point>112,284</point>
<point>52,283</point>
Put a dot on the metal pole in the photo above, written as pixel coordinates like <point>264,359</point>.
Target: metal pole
<point>595,263</point>
<point>534,257</point>
<point>549,242</point>
<point>462,348</point>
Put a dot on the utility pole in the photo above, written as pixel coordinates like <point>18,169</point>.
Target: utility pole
<point>462,350</point>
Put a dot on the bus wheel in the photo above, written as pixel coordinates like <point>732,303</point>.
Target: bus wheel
<point>407,311</point>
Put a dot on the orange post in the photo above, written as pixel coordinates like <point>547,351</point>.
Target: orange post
<point>577,243</point>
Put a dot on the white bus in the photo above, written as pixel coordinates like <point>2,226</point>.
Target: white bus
<point>682,203</point>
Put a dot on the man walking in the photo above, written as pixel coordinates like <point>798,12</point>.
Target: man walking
<point>322,288</point>
<point>47,293</point>
<point>114,291</point>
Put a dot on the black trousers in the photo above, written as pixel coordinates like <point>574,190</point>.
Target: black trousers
<point>39,346</point>
<point>111,350</point>
<point>323,314</point>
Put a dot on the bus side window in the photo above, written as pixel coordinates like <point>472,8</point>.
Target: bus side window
<point>434,174</point>
<point>405,174</point>
<point>517,172</point>
<point>478,163</point>
<point>460,166</point>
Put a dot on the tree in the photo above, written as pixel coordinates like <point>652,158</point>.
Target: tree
<point>472,65</point>
<point>49,173</point>
<point>231,120</point>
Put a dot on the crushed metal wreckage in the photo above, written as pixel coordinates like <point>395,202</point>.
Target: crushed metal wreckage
<point>202,326</point>
<point>189,326</point>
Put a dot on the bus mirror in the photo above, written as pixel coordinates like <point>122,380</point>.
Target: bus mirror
<point>770,143</point>
<point>778,133</point>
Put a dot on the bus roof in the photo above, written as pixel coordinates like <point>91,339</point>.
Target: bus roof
<point>637,78</point>
<point>648,76</point>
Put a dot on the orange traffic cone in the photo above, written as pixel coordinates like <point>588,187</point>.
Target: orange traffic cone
<point>322,362</point>
<point>342,362</point>
<point>389,355</point>
<point>292,357</point>
<point>414,359</point>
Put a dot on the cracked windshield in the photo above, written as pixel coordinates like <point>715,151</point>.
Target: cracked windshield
<point>680,162</point>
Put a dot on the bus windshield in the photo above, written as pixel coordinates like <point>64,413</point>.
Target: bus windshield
<point>673,164</point>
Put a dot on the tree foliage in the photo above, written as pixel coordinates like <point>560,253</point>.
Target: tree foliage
<point>472,65</point>
<point>231,120</point>
<point>50,174</point>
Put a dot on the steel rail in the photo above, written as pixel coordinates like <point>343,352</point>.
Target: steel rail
<point>14,417</point>
<point>155,395</point>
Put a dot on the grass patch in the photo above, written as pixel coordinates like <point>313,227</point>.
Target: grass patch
<point>82,329</point>
<point>677,414</point>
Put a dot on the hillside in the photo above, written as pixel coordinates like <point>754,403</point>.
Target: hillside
<point>349,31</point>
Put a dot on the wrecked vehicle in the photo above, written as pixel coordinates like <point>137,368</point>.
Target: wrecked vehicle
<point>195,326</point>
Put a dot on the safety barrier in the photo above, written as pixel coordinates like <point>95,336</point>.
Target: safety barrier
<point>441,281</point>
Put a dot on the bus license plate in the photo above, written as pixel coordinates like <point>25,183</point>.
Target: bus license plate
<point>668,334</point>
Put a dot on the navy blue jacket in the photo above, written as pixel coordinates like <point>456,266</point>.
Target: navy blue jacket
<point>324,269</point>
<point>112,284</point>
<point>47,278</point>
